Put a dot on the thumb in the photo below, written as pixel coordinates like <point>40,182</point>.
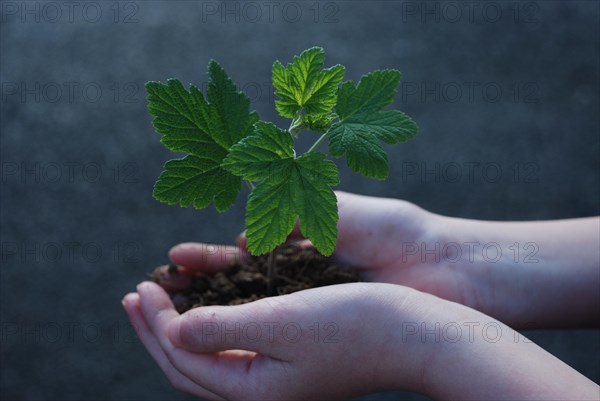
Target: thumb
<point>205,258</point>
<point>253,327</point>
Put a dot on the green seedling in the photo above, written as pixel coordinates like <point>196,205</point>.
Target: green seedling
<point>226,144</point>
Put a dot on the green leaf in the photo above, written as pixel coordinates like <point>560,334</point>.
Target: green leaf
<point>260,155</point>
<point>302,189</point>
<point>363,125</point>
<point>178,117</point>
<point>230,117</point>
<point>226,143</point>
<point>318,122</point>
<point>290,188</point>
<point>303,84</point>
<point>203,129</point>
<point>196,181</point>
<point>316,202</point>
<point>375,91</point>
<point>270,216</point>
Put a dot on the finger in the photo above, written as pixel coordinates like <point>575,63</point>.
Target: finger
<point>296,233</point>
<point>209,369</point>
<point>157,310</point>
<point>252,327</point>
<point>241,240</point>
<point>131,303</point>
<point>304,244</point>
<point>355,244</point>
<point>206,258</point>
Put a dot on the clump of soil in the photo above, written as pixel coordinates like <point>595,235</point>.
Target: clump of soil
<point>296,269</point>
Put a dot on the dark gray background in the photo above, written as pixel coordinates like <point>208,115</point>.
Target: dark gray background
<point>515,94</point>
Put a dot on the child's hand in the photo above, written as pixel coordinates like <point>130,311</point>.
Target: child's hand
<point>345,340</point>
<point>526,274</point>
<point>374,235</point>
<point>326,343</point>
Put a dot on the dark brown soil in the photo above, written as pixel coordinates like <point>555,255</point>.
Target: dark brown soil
<point>295,269</point>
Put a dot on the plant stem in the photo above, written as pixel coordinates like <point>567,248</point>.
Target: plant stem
<point>317,143</point>
<point>250,185</point>
<point>295,128</point>
<point>271,272</point>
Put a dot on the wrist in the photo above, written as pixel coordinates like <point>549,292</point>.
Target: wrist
<point>446,350</point>
<point>492,361</point>
<point>410,345</point>
<point>458,349</point>
<point>481,256</point>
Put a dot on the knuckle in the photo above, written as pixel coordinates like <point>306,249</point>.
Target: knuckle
<point>190,328</point>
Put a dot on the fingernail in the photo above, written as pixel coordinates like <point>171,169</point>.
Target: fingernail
<point>142,287</point>
<point>127,299</point>
<point>241,240</point>
<point>173,250</point>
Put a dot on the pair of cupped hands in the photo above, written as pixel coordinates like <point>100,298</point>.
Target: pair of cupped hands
<point>338,341</point>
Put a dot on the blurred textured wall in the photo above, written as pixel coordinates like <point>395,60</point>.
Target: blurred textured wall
<point>506,95</point>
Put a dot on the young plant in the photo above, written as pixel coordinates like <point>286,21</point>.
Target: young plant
<point>227,143</point>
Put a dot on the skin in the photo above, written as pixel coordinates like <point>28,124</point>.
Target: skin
<point>399,331</point>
